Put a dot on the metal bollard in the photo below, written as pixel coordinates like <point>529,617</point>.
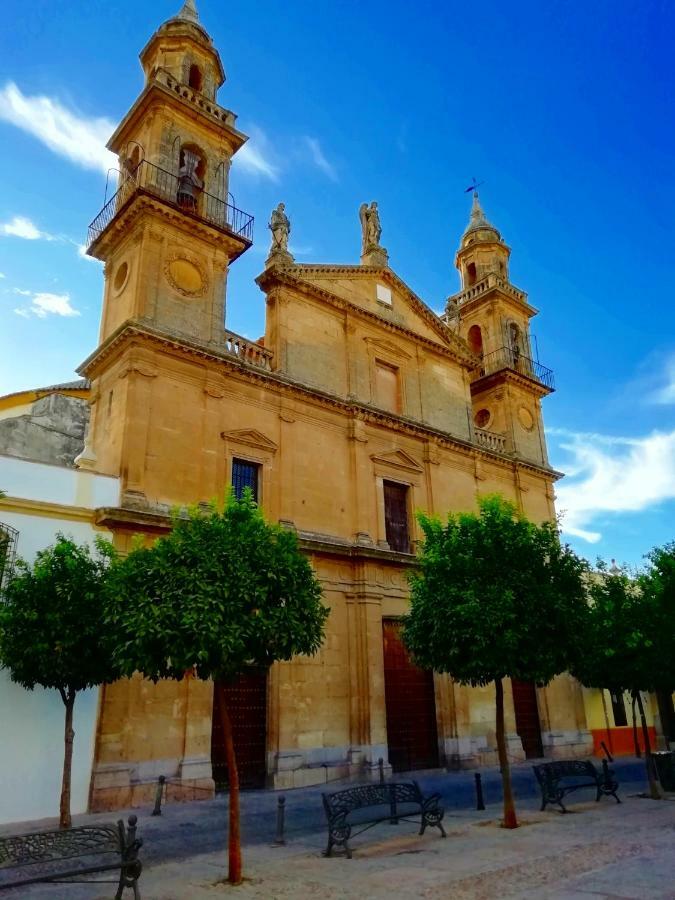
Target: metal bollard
<point>161,781</point>
<point>380,766</point>
<point>279,841</point>
<point>480,803</point>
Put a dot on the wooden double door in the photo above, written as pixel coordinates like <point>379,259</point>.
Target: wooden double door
<point>246,700</point>
<point>411,706</point>
<point>528,725</point>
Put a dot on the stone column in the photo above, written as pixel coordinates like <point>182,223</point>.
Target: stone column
<point>563,719</point>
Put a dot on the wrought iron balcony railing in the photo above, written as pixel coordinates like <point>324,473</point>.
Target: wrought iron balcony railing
<point>8,539</point>
<point>148,178</point>
<point>508,358</point>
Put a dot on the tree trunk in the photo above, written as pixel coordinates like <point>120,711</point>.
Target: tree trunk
<point>636,743</point>
<point>654,786</point>
<point>607,728</point>
<point>234,838</point>
<point>510,820</point>
<point>65,820</point>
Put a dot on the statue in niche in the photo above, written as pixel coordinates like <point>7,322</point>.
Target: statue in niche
<point>371,230</point>
<point>280,227</point>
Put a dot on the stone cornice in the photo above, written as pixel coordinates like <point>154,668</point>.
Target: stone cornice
<point>452,345</point>
<point>485,382</point>
<point>148,333</point>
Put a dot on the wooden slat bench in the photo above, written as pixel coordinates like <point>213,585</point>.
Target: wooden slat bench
<point>399,799</point>
<point>563,776</point>
<point>72,855</point>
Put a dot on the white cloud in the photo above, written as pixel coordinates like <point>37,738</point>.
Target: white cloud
<point>80,139</point>
<point>665,394</point>
<point>2,275</point>
<point>44,304</point>
<point>319,158</point>
<point>612,475</point>
<point>254,157</point>
<point>22,292</point>
<point>21,227</point>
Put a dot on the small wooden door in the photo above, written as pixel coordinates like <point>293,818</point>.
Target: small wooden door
<point>411,706</point>
<point>527,717</point>
<point>246,700</point>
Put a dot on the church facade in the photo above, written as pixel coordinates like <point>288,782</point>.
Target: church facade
<point>358,406</point>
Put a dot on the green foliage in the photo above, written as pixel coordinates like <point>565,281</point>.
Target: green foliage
<point>51,618</point>
<point>658,589</point>
<point>222,591</point>
<point>495,596</point>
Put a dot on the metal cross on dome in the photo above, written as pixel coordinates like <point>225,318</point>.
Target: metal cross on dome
<point>473,187</point>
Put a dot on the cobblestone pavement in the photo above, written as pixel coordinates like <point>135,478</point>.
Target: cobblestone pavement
<point>596,851</point>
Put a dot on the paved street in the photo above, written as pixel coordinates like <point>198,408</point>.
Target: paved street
<point>598,850</point>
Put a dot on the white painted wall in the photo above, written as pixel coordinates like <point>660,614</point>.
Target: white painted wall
<point>32,722</point>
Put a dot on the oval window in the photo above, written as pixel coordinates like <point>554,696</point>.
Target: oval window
<point>120,277</point>
<point>482,418</point>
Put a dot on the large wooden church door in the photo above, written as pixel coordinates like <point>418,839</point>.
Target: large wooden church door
<point>411,706</point>
<point>527,717</point>
<point>246,700</point>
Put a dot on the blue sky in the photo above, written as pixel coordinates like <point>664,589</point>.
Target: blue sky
<point>565,112</point>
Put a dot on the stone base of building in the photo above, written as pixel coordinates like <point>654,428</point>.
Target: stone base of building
<point>476,752</point>
<point>567,744</point>
<point>322,765</point>
<point>135,785</point>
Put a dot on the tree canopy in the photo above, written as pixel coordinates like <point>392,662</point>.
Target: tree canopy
<point>495,596</point>
<point>222,591</point>
<point>52,629</point>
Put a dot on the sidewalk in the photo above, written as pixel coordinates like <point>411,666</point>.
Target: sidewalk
<point>598,850</point>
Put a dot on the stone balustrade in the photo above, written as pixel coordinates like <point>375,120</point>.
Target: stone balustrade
<point>490,440</point>
<point>490,281</point>
<point>248,351</point>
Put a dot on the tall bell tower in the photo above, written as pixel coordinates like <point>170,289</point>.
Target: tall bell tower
<point>170,232</point>
<point>493,316</point>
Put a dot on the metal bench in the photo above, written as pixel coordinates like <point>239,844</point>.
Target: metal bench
<point>72,855</point>
<point>566,775</point>
<point>401,800</point>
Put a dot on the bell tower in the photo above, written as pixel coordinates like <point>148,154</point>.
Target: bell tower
<point>169,233</point>
<point>493,316</point>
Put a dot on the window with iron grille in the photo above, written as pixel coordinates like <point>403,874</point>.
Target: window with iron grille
<point>8,538</point>
<point>396,516</point>
<point>618,708</point>
<point>245,474</point>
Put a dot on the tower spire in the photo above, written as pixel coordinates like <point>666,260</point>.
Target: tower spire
<point>189,11</point>
<point>477,219</point>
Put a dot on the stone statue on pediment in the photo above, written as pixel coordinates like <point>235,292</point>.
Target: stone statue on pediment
<point>280,226</point>
<point>372,253</point>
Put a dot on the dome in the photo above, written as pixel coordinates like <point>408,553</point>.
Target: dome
<point>479,230</point>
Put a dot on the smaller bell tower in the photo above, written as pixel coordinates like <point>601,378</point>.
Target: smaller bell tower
<point>170,232</point>
<point>493,316</point>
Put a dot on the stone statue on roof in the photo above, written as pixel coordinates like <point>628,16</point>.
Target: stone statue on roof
<point>372,253</point>
<point>280,226</point>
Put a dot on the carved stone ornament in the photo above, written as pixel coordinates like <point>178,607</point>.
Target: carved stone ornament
<point>186,275</point>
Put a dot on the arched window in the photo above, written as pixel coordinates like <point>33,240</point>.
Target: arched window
<point>195,77</point>
<point>471,274</point>
<point>475,339</point>
<point>191,172</point>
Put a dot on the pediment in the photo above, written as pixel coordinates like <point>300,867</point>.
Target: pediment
<point>250,437</point>
<point>397,458</point>
<point>385,346</point>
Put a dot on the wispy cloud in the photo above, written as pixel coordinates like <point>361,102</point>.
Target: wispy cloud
<point>78,138</point>
<point>2,275</point>
<point>611,475</point>
<point>44,304</point>
<point>21,227</point>
<point>22,293</point>
<point>255,157</point>
<point>665,393</point>
<point>318,157</point>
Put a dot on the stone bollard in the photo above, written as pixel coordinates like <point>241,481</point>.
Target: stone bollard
<point>161,781</point>
<point>279,841</point>
<point>480,803</point>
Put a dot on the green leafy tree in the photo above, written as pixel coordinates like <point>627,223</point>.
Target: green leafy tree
<point>52,630</point>
<point>657,584</point>
<point>223,591</point>
<point>495,596</point>
<point>617,645</point>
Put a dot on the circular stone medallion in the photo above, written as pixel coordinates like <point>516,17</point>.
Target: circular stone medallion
<point>185,276</point>
<point>525,418</point>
